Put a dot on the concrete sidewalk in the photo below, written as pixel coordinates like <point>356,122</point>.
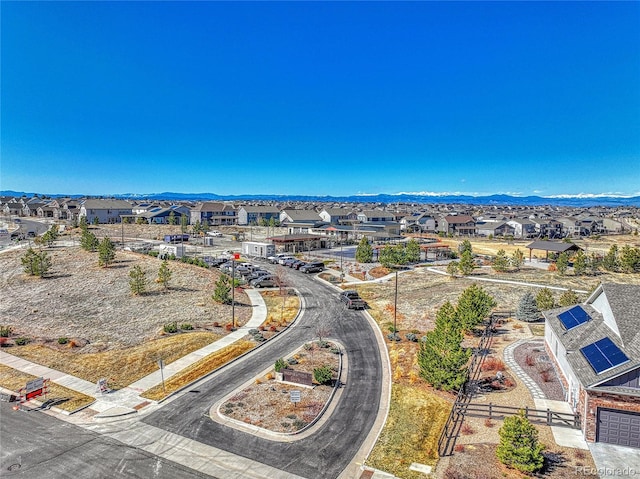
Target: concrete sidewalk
<point>127,400</point>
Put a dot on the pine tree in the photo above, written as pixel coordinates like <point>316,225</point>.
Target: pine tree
<point>466,265</point>
<point>137,280</point>
<point>610,260</point>
<point>184,222</point>
<point>562,263</point>
<point>465,246</point>
<point>88,240</point>
<point>453,268</point>
<point>527,308</point>
<point>545,299</point>
<point>441,358</point>
<point>517,259</point>
<point>500,262</point>
<point>222,291</point>
<point>172,220</point>
<point>36,263</point>
<point>474,305</point>
<point>364,252</point>
<point>106,252</point>
<point>412,251</point>
<point>519,447</point>
<point>629,261</point>
<point>568,298</point>
<point>580,263</point>
<point>164,274</point>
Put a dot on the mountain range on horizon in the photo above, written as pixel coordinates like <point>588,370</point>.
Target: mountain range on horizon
<point>583,200</point>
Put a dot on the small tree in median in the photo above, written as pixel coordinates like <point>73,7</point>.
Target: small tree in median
<point>323,374</point>
<point>527,309</point>
<point>519,447</point>
<point>137,280</point>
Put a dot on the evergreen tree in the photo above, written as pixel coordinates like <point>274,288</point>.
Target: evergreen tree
<point>519,446</point>
<point>527,309</point>
<point>172,220</point>
<point>197,228</point>
<point>96,220</point>
<point>568,298</point>
<point>610,260</point>
<point>204,227</point>
<point>137,280</point>
<point>364,251</point>
<point>51,235</point>
<point>140,220</point>
<point>164,274</point>
<point>562,263</point>
<point>222,291</point>
<point>594,263</point>
<point>545,299</point>
<point>106,252</point>
<point>453,268</point>
<point>580,263</point>
<point>184,222</point>
<point>474,305</point>
<point>83,223</point>
<point>441,358</point>
<point>36,263</point>
<point>466,265</point>
<point>88,240</point>
<point>391,256</point>
<point>412,251</point>
<point>465,246</point>
<point>629,261</point>
<point>500,262</point>
<point>517,259</point>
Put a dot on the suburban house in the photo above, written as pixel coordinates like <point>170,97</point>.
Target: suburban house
<point>494,228</point>
<point>300,221</point>
<point>420,222</point>
<point>338,216</point>
<point>457,225</point>
<point>523,228</point>
<point>162,216</point>
<point>106,211</point>
<point>12,209</point>
<point>255,215</point>
<point>214,213</point>
<point>375,216</point>
<point>547,227</point>
<point>595,347</point>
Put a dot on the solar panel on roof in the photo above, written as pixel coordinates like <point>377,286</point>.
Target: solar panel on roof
<point>603,355</point>
<point>574,317</point>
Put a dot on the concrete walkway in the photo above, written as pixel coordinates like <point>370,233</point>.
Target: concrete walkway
<point>127,400</point>
<point>563,436</point>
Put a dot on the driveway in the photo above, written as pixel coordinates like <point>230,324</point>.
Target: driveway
<point>614,461</point>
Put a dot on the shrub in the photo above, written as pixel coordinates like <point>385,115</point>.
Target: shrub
<point>308,346</point>
<point>229,327</point>
<point>488,422</point>
<point>322,374</point>
<point>291,416</point>
<point>545,374</point>
<point>216,324</point>
<point>285,424</point>
<point>280,365</point>
<point>528,360</point>
<point>5,331</point>
<point>394,337</point>
<point>254,331</point>
<point>519,447</point>
<point>21,341</point>
<point>466,429</point>
<point>3,341</point>
<point>299,424</point>
<point>63,340</point>
<point>292,361</point>
<point>273,329</point>
<point>186,327</point>
<point>170,327</point>
<point>458,448</point>
<point>493,364</point>
<point>335,350</point>
<point>411,337</point>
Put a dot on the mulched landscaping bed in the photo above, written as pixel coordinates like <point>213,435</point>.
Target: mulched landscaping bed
<point>535,361</point>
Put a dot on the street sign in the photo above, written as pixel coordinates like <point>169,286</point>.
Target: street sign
<point>34,385</point>
<point>295,396</point>
<point>102,385</point>
<point>236,255</point>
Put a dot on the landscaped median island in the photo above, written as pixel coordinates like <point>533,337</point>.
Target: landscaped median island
<point>309,375</point>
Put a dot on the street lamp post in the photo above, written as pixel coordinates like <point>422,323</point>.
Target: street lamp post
<point>395,306</point>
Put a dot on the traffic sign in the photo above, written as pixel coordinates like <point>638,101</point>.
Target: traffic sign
<point>295,396</point>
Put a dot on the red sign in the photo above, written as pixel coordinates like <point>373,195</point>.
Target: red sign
<point>236,255</point>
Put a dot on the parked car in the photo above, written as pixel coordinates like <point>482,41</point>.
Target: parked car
<point>314,267</point>
<point>295,264</point>
<point>214,233</point>
<point>282,259</point>
<point>266,281</point>
<point>352,299</point>
<point>259,273</point>
<point>289,261</point>
<point>274,259</point>
<point>217,262</point>
<point>298,264</point>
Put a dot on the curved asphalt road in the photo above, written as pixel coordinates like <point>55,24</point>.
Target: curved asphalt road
<point>321,455</point>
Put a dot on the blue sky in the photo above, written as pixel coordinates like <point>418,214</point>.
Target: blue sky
<point>319,98</point>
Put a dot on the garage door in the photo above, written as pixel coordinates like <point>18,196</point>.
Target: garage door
<point>619,427</point>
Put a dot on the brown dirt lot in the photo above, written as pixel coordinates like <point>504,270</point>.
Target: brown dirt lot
<point>94,305</point>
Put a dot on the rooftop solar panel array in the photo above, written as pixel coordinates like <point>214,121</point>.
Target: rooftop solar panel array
<point>603,355</point>
<point>574,317</point>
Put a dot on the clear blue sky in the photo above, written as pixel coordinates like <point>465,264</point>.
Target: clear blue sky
<point>321,97</point>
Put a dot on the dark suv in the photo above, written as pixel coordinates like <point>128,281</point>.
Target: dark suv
<point>312,267</point>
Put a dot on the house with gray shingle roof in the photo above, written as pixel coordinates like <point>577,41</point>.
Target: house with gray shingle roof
<point>106,211</point>
<point>595,347</point>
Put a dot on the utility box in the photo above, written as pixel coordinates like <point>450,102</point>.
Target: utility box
<point>177,250</point>
<point>261,250</point>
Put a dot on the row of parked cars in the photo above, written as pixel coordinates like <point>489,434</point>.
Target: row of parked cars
<point>252,274</point>
<point>295,263</point>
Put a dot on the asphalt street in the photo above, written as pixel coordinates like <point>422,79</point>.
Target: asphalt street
<point>328,451</point>
<point>33,445</point>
